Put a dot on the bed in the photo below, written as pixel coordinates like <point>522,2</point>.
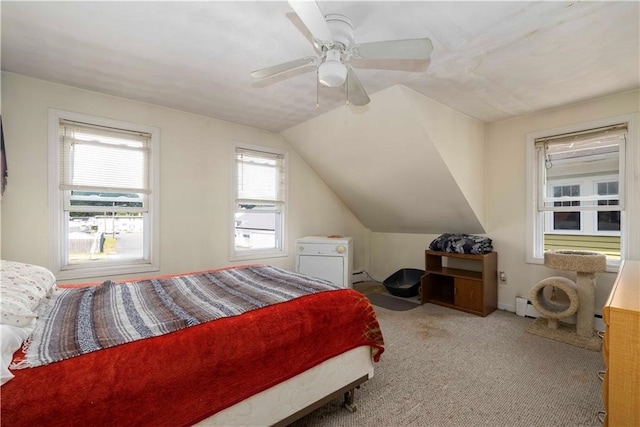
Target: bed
<point>280,345</point>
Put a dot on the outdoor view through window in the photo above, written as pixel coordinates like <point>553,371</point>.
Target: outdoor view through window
<point>259,201</point>
<point>581,198</point>
<point>105,184</point>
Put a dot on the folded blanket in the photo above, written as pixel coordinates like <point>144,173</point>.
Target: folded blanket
<point>461,244</point>
<point>82,320</point>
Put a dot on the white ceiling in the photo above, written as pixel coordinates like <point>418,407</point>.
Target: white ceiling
<point>491,60</point>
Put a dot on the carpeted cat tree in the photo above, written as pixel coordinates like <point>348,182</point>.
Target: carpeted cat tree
<point>580,294</point>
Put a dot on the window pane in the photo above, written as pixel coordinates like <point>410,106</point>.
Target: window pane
<point>95,198</point>
<point>257,230</point>
<point>259,187</point>
<point>580,161</point>
<point>256,206</point>
<point>566,220</point>
<point>609,221</point>
<point>95,237</point>
<point>606,188</point>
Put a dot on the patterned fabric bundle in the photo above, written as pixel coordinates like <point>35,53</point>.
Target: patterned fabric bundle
<point>462,244</point>
<point>83,320</point>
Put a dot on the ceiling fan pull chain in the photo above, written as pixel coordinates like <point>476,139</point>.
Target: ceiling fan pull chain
<point>347,84</point>
<point>317,91</point>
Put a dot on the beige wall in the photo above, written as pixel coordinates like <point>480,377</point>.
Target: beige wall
<point>195,181</point>
<point>392,251</point>
<point>196,173</point>
<point>460,141</point>
<point>506,185</point>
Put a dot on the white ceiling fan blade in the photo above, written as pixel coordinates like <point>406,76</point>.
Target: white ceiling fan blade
<point>281,68</point>
<point>312,17</point>
<point>356,94</point>
<point>394,49</point>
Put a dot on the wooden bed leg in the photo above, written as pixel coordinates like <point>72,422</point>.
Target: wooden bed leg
<point>349,398</point>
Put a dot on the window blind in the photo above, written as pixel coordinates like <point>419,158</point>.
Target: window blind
<point>95,158</point>
<point>259,177</point>
<point>594,152</point>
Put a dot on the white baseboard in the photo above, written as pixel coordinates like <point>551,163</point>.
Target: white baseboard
<point>507,307</point>
<point>358,277</point>
<point>533,313</point>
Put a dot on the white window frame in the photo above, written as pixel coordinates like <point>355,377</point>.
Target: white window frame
<point>57,223</point>
<point>588,218</point>
<point>594,218</point>
<point>629,217</point>
<point>550,220</point>
<point>252,254</point>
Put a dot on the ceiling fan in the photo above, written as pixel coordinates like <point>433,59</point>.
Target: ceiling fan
<point>335,45</point>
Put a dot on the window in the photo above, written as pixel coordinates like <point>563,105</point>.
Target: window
<point>102,200</point>
<point>258,203</point>
<point>608,220</point>
<point>566,220</point>
<point>578,189</point>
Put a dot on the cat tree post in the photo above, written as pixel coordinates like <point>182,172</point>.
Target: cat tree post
<point>585,264</point>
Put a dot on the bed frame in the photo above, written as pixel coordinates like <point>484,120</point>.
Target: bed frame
<point>302,394</point>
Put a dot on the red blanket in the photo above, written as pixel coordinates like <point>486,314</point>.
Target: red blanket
<point>185,376</point>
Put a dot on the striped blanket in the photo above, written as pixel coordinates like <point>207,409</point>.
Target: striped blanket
<point>82,320</point>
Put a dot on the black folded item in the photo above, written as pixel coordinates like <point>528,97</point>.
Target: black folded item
<point>461,244</point>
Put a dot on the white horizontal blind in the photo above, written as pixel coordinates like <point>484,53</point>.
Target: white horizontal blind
<point>259,178</point>
<point>96,158</point>
<point>595,152</point>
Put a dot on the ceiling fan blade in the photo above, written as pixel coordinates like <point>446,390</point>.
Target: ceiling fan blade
<point>356,94</point>
<point>394,49</point>
<point>281,68</point>
<point>312,17</point>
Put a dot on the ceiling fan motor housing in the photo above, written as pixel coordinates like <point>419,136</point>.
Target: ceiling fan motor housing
<point>341,30</point>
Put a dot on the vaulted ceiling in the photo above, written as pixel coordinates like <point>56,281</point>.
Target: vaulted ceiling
<point>407,165</point>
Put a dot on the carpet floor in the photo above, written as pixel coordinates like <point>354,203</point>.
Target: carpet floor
<point>442,367</point>
<point>392,302</point>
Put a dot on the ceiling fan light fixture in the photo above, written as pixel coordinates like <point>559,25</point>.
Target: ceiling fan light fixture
<point>332,72</point>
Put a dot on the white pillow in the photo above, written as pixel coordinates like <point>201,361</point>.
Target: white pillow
<point>11,339</point>
<point>14,313</point>
<point>22,288</point>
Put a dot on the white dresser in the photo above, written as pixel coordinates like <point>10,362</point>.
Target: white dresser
<point>327,258</point>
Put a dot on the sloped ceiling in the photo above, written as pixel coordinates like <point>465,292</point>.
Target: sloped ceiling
<point>384,163</point>
<point>492,60</point>
<point>405,163</point>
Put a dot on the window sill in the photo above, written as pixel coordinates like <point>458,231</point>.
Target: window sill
<point>254,255</point>
<point>80,272</point>
<point>612,266</point>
